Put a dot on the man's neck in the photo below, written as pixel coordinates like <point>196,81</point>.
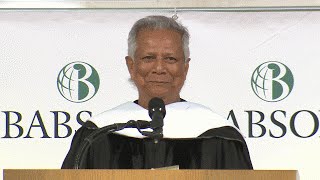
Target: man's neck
<point>145,101</point>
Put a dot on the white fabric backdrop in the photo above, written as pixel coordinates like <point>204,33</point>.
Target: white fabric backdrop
<point>226,48</point>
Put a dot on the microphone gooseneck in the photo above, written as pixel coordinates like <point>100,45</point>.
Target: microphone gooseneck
<point>84,146</point>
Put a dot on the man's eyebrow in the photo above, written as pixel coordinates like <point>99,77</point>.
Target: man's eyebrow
<point>169,53</point>
<point>149,53</point>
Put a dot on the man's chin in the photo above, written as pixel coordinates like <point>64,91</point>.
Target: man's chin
<point>161,93</point>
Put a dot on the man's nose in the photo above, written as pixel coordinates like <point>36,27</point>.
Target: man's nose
<point>159,66</point>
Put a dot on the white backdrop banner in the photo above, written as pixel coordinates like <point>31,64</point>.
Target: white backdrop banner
<point>259,70</point>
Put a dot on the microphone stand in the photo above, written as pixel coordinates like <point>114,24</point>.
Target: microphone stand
<point>107,130</point>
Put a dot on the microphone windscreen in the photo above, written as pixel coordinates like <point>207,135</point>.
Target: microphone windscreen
<point>156,104</point>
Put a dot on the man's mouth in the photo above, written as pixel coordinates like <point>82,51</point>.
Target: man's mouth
<point>158,82</point>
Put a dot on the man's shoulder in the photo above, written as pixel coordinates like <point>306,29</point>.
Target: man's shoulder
<point>118,114</point>
<point>188,105</point>
<point>195,109</point>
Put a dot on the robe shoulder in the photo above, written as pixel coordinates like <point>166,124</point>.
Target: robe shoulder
<point>83,132</point>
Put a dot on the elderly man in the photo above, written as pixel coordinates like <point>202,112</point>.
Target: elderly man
<point>193,136</point>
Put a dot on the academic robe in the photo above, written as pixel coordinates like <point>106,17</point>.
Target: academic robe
<point>194,138</point>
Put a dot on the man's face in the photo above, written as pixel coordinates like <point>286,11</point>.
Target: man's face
<point>158,68</point>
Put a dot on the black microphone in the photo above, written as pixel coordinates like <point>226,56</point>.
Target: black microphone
<point>157,112</point>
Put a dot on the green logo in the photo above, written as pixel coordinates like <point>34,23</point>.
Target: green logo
<point>78,82</point>
<point>272,81</point>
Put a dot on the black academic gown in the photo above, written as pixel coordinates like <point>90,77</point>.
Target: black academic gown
<point>219,148</point>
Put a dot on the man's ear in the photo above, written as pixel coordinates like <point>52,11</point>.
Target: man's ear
<point>130,63</point>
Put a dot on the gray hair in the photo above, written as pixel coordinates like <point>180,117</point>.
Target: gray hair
<point>158,22</point>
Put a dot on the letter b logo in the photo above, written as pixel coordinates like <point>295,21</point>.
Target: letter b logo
<point>272,81</point>
<point>78,82</point>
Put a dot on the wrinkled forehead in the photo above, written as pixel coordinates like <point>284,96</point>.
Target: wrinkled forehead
<point>159,39</point>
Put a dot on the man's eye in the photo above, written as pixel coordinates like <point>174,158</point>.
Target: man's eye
<point>148,57</point>
<point>171,59</point>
